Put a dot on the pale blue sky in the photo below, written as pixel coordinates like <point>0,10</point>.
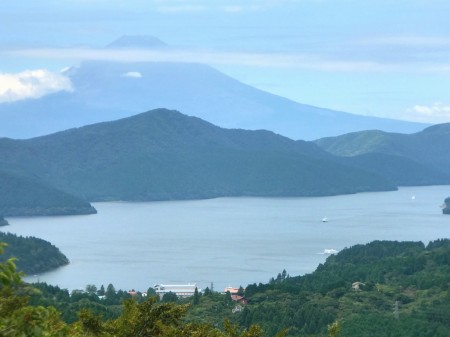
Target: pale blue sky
<point>383,58</point>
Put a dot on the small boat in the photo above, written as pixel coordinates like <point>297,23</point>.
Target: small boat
<point>325,219</point>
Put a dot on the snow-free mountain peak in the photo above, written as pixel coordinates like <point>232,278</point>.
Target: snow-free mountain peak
<point>137,42</point>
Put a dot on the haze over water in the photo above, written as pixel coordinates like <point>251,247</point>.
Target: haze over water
<point>227,241</point>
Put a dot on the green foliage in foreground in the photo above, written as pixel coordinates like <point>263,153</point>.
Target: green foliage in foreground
<point>402,290</point>
<point>33,255</point>
<point>148,318</point>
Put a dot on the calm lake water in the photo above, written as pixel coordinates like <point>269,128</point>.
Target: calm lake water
<point>227,241</point>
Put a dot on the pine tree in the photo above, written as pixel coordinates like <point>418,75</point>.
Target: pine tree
<point>196,299</point>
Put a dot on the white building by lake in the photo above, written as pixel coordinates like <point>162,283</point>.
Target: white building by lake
<point>181,290</point>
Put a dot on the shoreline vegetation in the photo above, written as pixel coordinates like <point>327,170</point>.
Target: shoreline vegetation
<point>32,255</point>
<point>3,221</point>
<point>446,206</point>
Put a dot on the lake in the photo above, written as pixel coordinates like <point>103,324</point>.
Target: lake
<point>227,241</point>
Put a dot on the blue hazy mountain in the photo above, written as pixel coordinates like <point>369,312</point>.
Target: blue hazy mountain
<point>420,158</point>
<point>137,41</point>
<point>164,155</point>
<point>105,91</point>
<point>23,194</point>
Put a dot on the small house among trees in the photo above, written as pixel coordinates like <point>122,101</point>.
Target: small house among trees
<point>239,299</point>
<point>357,285</point>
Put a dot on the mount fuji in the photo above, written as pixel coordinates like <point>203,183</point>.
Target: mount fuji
<point>109,90</point>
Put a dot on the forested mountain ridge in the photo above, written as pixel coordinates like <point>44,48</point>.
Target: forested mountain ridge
<point>407,159</point>
<point>24,195</point>
<point>163,154</point>
<point>428,146</point>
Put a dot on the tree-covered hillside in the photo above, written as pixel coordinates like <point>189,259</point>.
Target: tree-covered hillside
<point>402,171</point>
<point>148,318</point>
<point>33,255</point>
<point>406,159</point>
<point>164,154</point>
<point>22,195</point>
<point>379,289</point>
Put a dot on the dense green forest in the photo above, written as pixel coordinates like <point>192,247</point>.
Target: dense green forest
<point>33,255</point>
<point>406,159</point>
<point>379,289</point>
<point>24,195</point>
<point>18,317</point>
<point>382,288</point>
<point>164,155</point>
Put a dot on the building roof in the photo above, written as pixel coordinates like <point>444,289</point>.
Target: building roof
<point>231,290</point>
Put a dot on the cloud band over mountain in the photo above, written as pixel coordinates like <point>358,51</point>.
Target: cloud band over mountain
<point>31,84</point>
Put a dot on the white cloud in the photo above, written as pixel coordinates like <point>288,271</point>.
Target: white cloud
<point>233,9</point>
<point>407,41</point>
<point>31,84</point>
<point>237,6</point>
<point>181,9</point>
<point>132,74</point>
<point>435,113</point>
<point>273,60</point>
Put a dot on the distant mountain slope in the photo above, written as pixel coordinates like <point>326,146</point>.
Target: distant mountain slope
<point>105,91</point>
<point>25,196</point>
<point>356,143</point>
<point>162,154</point>
<point>416,159</point>
<point>400,170</point>
<point>137,41</point>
